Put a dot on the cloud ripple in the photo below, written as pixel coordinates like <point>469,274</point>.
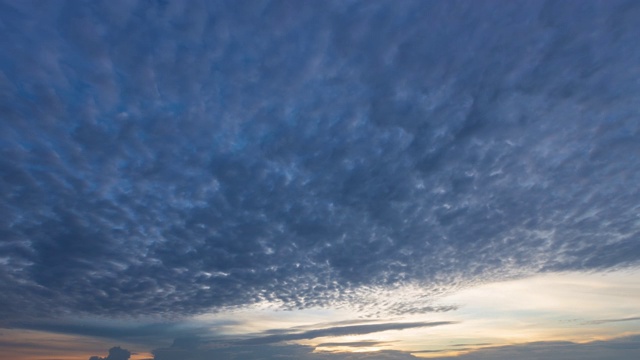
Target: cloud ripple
<point>165,159</point>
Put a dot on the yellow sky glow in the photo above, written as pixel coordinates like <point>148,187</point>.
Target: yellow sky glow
<point>578,307</point>
<point>549,307</point>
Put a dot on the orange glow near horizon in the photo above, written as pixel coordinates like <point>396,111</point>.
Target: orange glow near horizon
<point>39,345</point>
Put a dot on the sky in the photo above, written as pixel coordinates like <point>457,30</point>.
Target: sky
<point>319,180</point>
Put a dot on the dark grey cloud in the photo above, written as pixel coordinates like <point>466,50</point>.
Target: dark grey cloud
<point>159,158</point>
<point>353,344</point>
<point>272,352</point>
<point>300,328</point>
<point>340,331</point>
<point>115,353</point>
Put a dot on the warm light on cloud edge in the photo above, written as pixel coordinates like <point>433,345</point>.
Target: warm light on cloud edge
<point>567,306</point>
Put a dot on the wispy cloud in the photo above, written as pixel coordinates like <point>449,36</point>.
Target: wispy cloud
<point>321,325</point>
<point>341,331</point>
<point>605,321</point>
<point>352,344</point>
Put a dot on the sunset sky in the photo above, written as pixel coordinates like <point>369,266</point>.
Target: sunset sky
<point>319,180</point>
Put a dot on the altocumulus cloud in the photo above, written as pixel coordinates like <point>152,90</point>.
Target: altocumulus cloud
<point>171,158</point>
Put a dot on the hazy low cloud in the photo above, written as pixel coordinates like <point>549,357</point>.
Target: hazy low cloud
<point>625,348</point>
<point>268,352</point>
<point>149,334</point>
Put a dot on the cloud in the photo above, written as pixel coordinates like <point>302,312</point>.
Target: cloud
<point>115,353</point>
<point>340,331</point>
<point>321,325</point>
<point>147,334</point>
<point>605,321</point>
<point>12,344</point>
<point>352,344</point>
<point>165,160</point>
<point>625,348</point>
<point>273,352</point>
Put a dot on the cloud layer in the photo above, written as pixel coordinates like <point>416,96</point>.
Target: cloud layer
<point>115,353</point>
<point>624,348</point>
<point>621,348</point>
<point>159,158</point>
<point>340,331</point>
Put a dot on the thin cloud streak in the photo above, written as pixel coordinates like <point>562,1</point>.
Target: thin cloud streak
<point>605,321</point>
<point>353,344</point>
<point>341,331</point>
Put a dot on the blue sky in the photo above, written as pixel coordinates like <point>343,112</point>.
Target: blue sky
<point>319,179</point>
